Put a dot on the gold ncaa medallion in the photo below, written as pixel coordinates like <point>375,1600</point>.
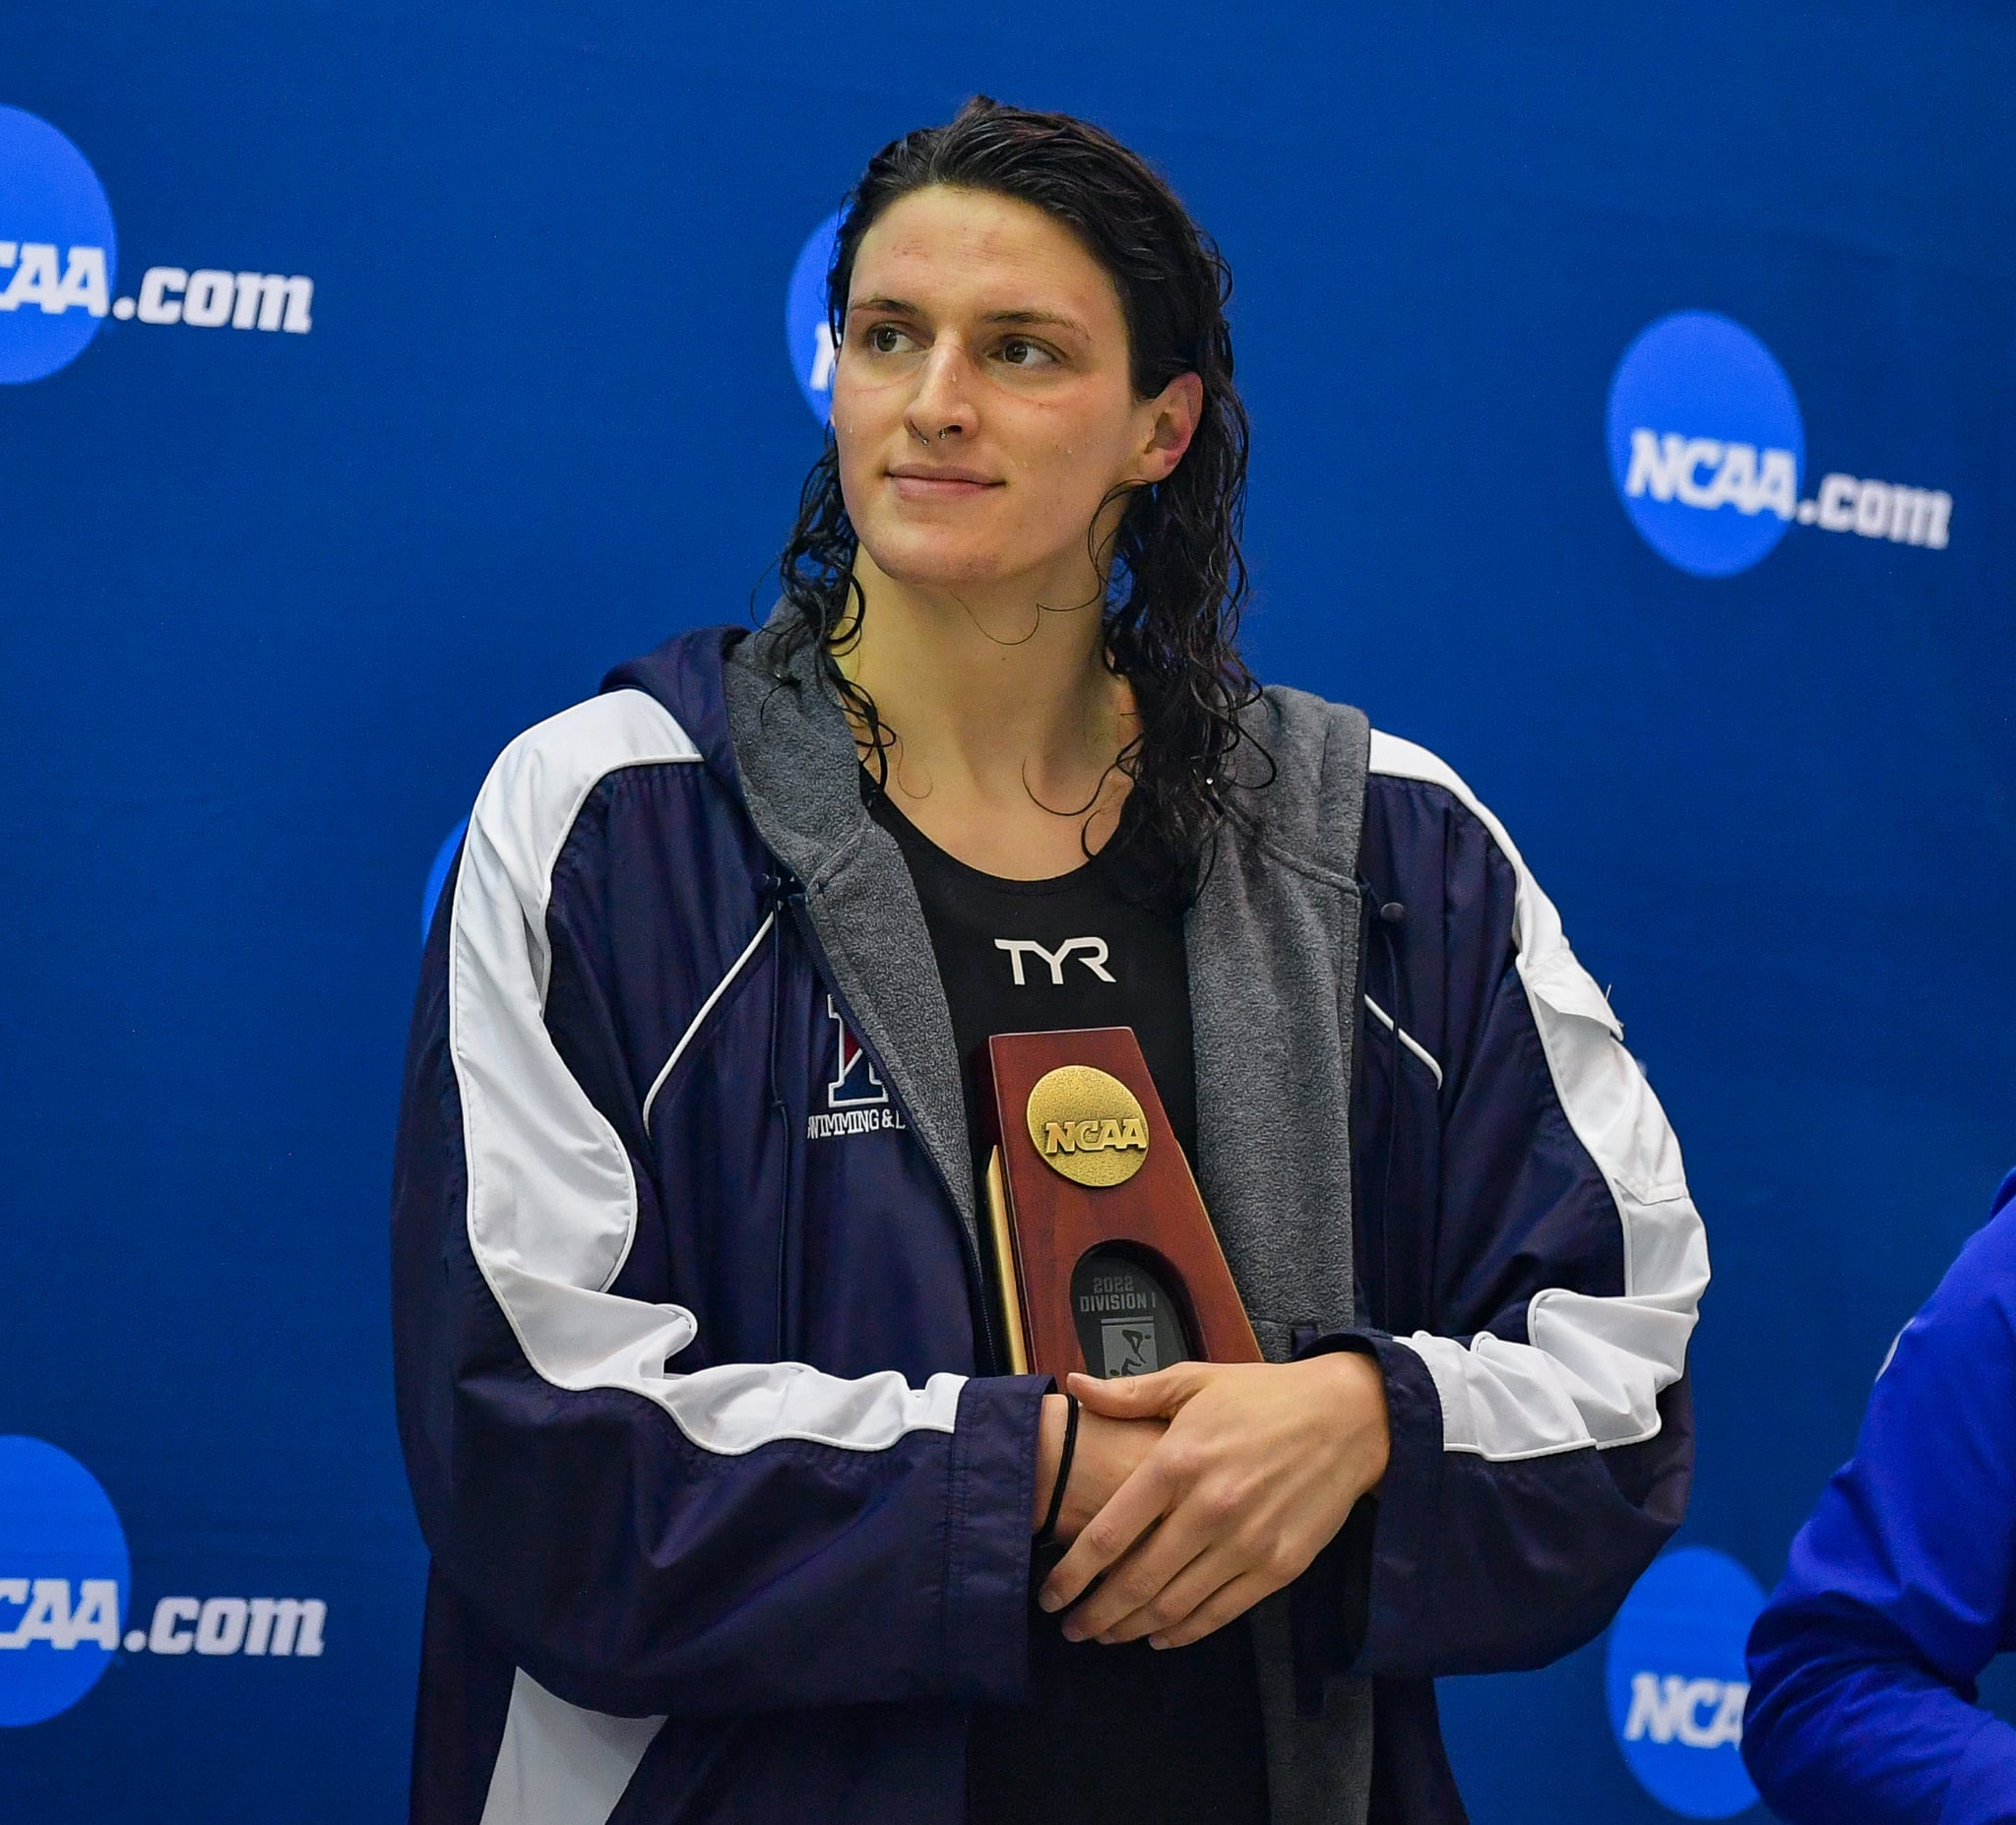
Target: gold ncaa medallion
<point>1087,1125</point>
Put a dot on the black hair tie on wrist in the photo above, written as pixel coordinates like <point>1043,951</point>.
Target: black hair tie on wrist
<point>1048,1531</point>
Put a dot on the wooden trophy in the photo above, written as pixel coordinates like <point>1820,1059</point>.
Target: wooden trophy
<point>1104,1259</point>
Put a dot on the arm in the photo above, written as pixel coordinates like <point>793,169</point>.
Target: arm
<point>1898,1590</point>
<point>1528,1431</point>
<point>1532,1260</point>
<point>648,1529</point>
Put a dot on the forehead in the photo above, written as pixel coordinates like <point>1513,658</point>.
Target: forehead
<point>958,252</point>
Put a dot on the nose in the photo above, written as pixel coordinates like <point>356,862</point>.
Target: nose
<point>942,407</point>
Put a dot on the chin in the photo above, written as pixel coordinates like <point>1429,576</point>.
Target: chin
<point>926,560</point>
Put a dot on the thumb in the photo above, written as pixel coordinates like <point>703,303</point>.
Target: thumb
<point>1138,1397</point>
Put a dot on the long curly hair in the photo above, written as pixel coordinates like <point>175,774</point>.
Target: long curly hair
<point>1175,578</point>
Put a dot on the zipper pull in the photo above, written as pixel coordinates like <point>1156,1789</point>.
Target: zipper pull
<point>779,888</point>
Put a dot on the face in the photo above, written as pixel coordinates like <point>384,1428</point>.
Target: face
<point>982,407</point>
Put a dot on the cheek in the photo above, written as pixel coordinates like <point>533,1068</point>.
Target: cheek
<point>867,412</point>
<point>856,445</point>
<point>1068,468</point>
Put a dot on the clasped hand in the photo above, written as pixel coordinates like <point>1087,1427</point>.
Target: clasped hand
<point>1199,1490</point>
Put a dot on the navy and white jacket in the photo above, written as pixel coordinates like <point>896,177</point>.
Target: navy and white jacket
<point>1901,1587</point>
<point>727,1500</point>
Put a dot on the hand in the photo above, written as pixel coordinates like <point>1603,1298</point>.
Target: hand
<point>1107,1454</point>
<point>1260,1466</point>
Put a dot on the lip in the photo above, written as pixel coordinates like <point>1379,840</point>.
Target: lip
<point>924,481</point>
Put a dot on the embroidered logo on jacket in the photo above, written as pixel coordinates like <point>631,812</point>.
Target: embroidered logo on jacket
<point>857,1101</point>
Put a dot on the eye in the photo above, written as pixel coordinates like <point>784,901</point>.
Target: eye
<point>1020,351</point>
<point>886,339</point>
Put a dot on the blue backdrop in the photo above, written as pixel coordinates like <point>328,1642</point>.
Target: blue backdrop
<point>380,374</point>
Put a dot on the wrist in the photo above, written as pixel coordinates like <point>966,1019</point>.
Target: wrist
<point>1061,1483</point>
<point>1050,1451</point>
<point>1354,1390</point>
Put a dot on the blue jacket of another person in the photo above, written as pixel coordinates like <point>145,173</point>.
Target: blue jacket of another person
<point>1901,1587</point>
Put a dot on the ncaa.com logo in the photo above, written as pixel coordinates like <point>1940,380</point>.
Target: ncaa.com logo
<point>59,263</point>
<point>66,1590</point>
<point>1708,452</point>
<point>1675,1681</point>
<point>807,334</point>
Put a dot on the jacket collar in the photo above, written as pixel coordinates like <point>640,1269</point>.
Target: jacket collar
<point>801,779</point>
<point>1273,945</point>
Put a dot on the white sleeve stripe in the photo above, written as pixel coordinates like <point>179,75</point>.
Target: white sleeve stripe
<point>1593,1369</point>
<point>699,1019</point>
<point>553,1203</point>
<point>1406,1038</point>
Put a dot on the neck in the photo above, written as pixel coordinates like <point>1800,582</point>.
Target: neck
<point>991,698</point>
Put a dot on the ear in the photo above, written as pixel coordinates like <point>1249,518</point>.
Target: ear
<point>1173,416</point>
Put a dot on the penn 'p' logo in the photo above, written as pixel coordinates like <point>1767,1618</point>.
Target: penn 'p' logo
<point>1087,1125</point>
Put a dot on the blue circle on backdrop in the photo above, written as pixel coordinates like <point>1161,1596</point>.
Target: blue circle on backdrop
<point>1675,1681</point>
<point>55,213</point>
<point>437,877</point>
<point>59,1535</point>
<point>1692,385</point>
<point>807,334</point>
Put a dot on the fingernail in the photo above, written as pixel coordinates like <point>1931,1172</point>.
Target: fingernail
<point>1072,1632</point>
<point>1049,1602</point>
<point>1158,1641</point>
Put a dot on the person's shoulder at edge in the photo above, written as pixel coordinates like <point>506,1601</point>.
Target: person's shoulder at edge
<point>1897,1587</point>
<point>1981,1285</point>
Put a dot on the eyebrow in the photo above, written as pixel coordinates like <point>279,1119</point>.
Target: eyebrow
<point>1049,319</point>
<point>1017,319</point>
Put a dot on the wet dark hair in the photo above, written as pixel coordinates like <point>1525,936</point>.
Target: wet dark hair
<point>1177,579</point>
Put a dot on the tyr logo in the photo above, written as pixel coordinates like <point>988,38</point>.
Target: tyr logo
<point>1095,958</point>
<point>855,1083</point>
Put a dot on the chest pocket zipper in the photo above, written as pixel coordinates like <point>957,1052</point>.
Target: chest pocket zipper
<point>707,1007</point>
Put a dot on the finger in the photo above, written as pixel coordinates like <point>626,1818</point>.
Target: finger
<point>1137,1396</point>
<point>1187,1590</point>
<point>1138,1580</point>
<point>1130,1511</point>
<point>1226,1605</point>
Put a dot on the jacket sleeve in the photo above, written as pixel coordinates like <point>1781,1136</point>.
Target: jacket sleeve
<point>645,1536</point>
<point>1898,1591</point>
<point>1530,1260</point>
